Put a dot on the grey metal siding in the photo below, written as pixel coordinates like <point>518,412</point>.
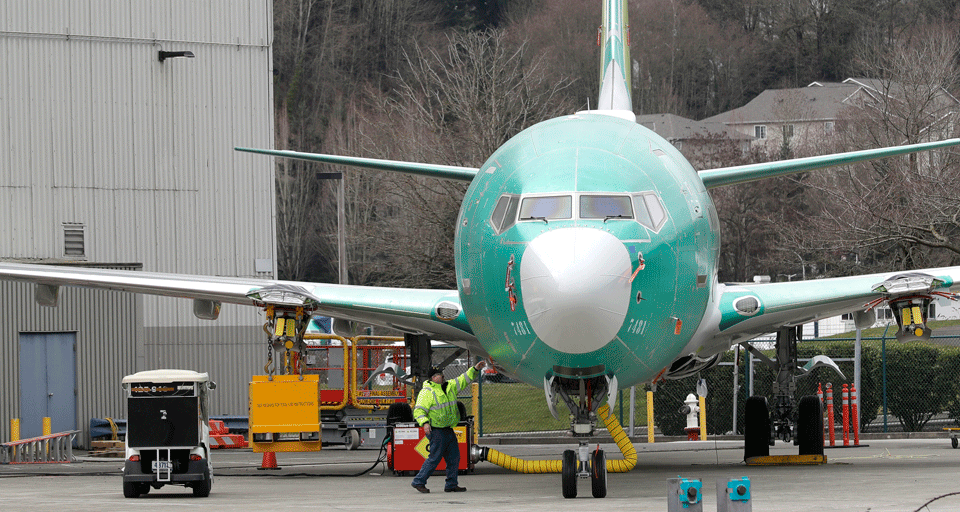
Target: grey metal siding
<point>107,334</point>
<point>94,130</point>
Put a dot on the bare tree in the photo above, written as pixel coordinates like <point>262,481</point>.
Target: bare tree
<point>322,50</point>
<point>455,106</point>
<point>901,211</point>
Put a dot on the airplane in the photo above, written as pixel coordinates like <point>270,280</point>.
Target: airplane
<point>586,254</point>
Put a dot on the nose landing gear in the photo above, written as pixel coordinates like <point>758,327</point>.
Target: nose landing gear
<point>583,464</point>
<point>583,398</point>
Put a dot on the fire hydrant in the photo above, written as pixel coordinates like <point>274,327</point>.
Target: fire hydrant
<point>692,409</point>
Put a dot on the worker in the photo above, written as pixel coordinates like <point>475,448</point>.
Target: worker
<point>437,413</point>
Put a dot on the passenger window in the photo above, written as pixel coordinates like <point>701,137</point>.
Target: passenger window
<point>546,207</point>
<point>605,207</point>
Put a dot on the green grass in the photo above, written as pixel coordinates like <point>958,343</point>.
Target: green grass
<point>891,331</point>
<point>517,407</point>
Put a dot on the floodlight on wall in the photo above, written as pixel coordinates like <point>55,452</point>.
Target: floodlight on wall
<point>169,55</point>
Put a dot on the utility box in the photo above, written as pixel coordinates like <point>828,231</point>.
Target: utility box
<point>409,448</point>
<point>168,432</point>
<point>285,413</point>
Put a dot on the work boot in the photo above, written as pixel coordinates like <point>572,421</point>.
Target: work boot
<point>421,488</point>
<point>455,489</point>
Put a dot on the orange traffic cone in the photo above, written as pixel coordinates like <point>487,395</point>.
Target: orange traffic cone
<point>269,461</point>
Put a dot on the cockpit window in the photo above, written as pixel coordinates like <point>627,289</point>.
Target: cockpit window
<point>644,207</point>
<point>605,207</point>
<point>650,211</point>
<point>546,208</point>
<point>505,213</point>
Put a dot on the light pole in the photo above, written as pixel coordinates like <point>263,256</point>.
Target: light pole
<point>341,223</point>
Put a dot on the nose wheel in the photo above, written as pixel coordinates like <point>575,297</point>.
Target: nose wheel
<point>584,464</point>
<point>568,474</point>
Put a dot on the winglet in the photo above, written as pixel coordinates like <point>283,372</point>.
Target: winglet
<point>449,172</point>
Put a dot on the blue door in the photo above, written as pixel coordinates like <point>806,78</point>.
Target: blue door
<point>48,382</point>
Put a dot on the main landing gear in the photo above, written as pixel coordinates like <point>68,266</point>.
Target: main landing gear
<point>583,397</point>
<point>783,418</point>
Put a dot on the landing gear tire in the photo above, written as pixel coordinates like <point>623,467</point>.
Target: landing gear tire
<point>568,475</point>
<point>131,490</point>
<point>352,439</point>
<point>810,426</point>
<point>756,429</point>
<point>201,489</point>
<point>598,474</point>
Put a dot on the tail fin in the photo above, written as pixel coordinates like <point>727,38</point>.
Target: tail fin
<point>615,58</point>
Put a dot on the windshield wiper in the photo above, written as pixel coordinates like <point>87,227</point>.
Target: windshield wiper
<point>544,219</point>
<point>608,217</point>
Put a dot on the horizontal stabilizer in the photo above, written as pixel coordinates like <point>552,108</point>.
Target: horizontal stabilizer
<point>449,172</point>
<point>713,178</point>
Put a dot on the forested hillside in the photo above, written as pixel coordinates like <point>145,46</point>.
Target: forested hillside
<point>447,81</point>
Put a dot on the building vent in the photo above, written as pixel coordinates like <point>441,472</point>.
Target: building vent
<point>73,243</point>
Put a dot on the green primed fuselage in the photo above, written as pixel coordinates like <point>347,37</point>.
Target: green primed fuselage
<point>664,276</point>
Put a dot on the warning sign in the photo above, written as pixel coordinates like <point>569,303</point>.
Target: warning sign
<point>423,447</point>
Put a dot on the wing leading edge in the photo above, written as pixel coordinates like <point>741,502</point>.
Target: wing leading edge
<point>437,313</point>
<point>450,172</point>
<point>722,176</point>
<point>751,309</point>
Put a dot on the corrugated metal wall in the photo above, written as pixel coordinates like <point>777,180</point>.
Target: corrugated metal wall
<point>96,132</point>
<point>107,335</point>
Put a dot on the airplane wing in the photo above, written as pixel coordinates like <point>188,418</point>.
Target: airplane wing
<point>751,309</point>
<point>450,172</point>
<point>719,177</point>
<point>437,313</point>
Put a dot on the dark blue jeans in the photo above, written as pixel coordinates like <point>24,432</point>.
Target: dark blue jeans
<point>443,443</point>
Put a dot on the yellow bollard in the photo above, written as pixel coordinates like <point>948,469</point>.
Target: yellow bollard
<point>703,418</point>
<point>475,406</point>
<point>46,431</point>
<point>649,416</point>
<point>15,430</point>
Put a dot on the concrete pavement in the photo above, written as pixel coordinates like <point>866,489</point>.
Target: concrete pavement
<point>887,475</point>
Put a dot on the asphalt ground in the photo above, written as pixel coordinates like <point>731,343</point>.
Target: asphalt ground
<point>883,475</point>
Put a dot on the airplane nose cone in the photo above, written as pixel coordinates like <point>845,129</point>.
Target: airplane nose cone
<point>575,284</point>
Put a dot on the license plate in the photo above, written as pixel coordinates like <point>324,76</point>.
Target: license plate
<point>160,465</point>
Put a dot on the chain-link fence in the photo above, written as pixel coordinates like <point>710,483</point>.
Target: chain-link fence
<point>913,386</point>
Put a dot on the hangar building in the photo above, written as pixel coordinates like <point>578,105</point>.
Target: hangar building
<point>116,151</point>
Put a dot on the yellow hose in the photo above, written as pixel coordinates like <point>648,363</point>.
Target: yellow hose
<point>523,466</point>
<point>555,466</point>
<point>623,442</point>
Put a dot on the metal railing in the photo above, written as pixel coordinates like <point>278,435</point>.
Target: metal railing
<point>49,449</point>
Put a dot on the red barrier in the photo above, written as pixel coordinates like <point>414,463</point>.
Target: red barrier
<point>854,415</point>
<point>845,413</point>
<point>829,421</point>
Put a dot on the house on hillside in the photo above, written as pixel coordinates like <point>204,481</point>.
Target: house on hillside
<point>703,143</point>
<point>809,116</point>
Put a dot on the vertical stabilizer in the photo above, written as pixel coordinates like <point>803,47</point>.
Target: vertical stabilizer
<point>614,58</point>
